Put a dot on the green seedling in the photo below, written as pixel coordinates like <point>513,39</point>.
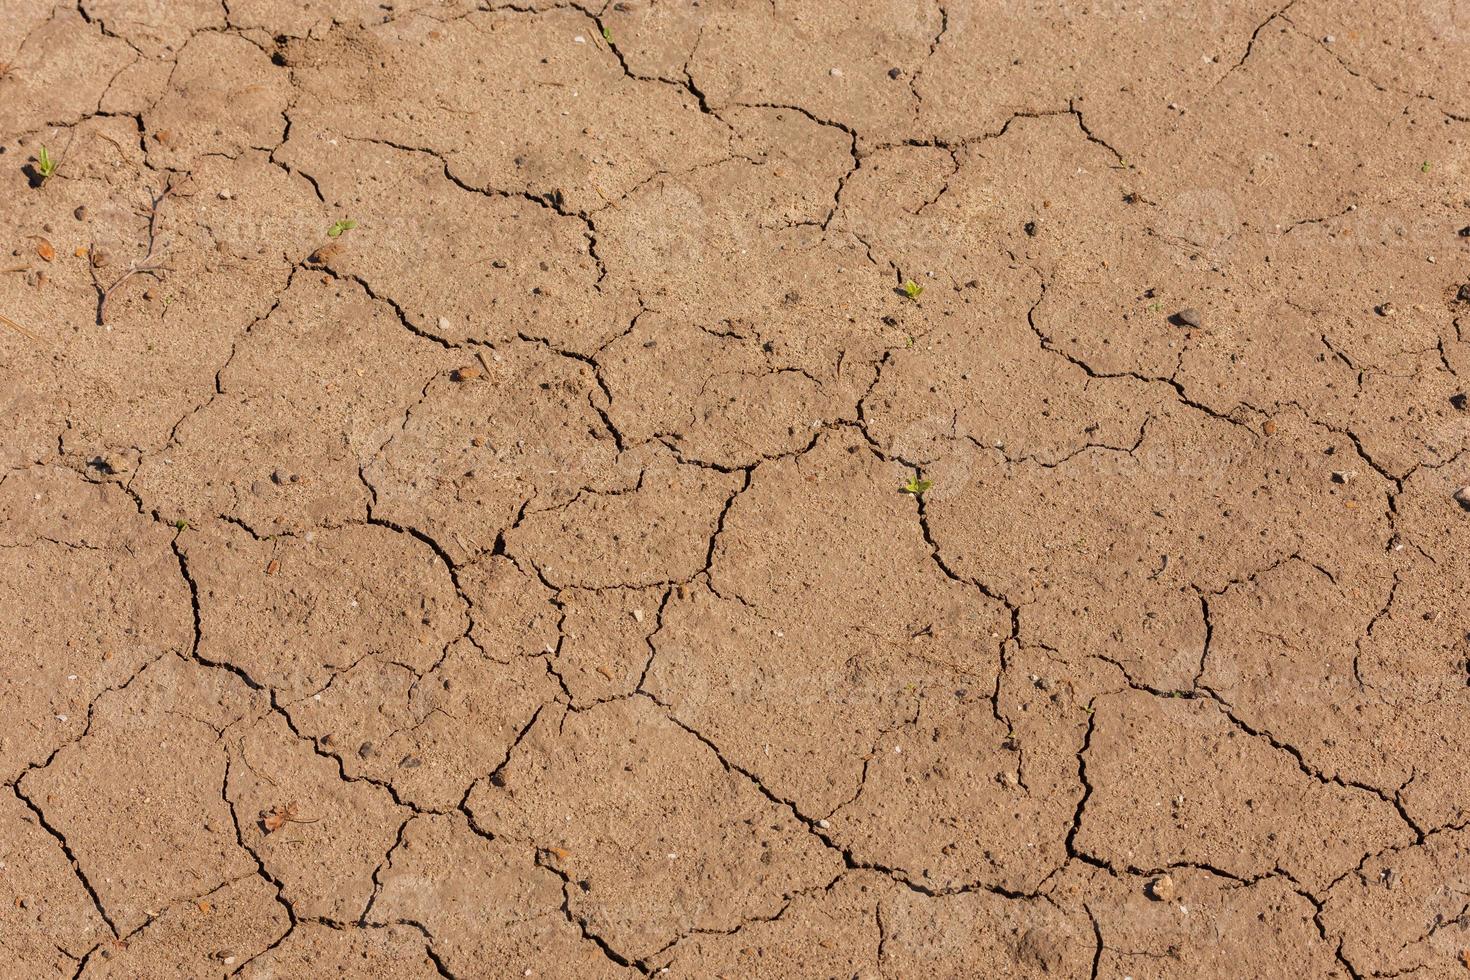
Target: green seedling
<point>339,226</point>
<point>607,35</point>
<point>916,486</point>
<point>912,289</point>
<point>1424,167</point>
<point>45,164</point>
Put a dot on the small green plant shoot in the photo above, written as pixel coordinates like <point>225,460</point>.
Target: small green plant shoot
<point>339,226</point>
<point>912,289</point>
<point>45,164</point>
<point>916,486</point>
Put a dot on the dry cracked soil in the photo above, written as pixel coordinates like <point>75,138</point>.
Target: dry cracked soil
<point>818,488</point>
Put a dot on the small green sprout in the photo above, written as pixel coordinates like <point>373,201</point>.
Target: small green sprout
<point>1424,167</point>
<point>607,35</point>
<point>916,486</point>
<point>180,525</point>
<point>912,289</point>
<point>339,226</point>
<point>45,163</point>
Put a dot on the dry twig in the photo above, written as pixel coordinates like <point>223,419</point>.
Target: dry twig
<point>18,328</point>
<point>151,262</point>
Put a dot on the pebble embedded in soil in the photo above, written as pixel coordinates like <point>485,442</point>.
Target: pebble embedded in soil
<point>1462,497</point>
<point>1385,309</point>
<point>1188,317</point>
<point>1161,889</point>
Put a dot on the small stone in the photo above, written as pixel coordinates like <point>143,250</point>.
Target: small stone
<point>1269,427</point>
<point>1385,309</point>
<point>638,615</point>
<point>410,762</point>
<point>466,373</point>
<point>365,750</point>
<point>1464,294</point>
<point>835,72</point>
<point>1188,317</point>
<point>1328,39</point>
<point>1465,232</point>
<point>895,72</point>
<point>1343,476</point>
<point>1460,401</point>
<point>444,323</point>
<point>1161,889</point>
<point>579,39</point>
<point>1030,228</point>
<point>279,477</point>
<point>80,213</point>
<point>100,258</point>
<point>225,195</point>
<point>1462,497</point>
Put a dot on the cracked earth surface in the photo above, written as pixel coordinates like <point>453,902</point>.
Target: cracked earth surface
<point>519,582</point>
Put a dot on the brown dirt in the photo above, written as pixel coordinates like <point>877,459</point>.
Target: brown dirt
<point>475,544</point>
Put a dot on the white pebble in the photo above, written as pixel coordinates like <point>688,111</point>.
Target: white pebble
<point>579,39</point>
<point>836,73</point>
<point>444,323</point>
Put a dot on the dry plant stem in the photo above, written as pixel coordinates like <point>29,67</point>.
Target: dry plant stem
<point>151,262</point>
<point>18,328</point>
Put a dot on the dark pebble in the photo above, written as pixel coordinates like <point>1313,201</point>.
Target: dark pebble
<point>1462,497</point>
<point>1187,317</point>
<point>895,72</point>
<point>1460,401</point>
<point>364,750</point>
<point>1464,294</point>
<point>1030,228</point>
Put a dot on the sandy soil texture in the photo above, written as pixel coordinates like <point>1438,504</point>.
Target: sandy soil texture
<point>808,488</point>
